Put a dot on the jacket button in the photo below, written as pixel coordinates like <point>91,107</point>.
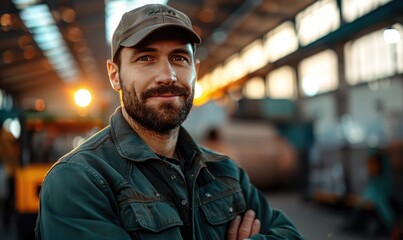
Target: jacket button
<point>230,210</point>
<point>184,202</point>
<point>208,195</point>
<point>158,195</point>
<point>173,177</point>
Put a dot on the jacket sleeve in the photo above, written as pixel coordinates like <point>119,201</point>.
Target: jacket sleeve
<point>74,204</point>
<point>275,224</point>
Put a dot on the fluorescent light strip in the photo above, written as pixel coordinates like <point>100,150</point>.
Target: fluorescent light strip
<point>24,3</point>
<point>36,16</point>
<point>40,22</point>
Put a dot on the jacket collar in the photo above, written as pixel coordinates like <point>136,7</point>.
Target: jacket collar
<point>132,147</point>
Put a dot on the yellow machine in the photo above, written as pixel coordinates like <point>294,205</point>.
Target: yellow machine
<point>28,182</point>
<point>46,139</point>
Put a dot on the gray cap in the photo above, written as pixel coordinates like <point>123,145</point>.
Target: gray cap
<point>139,23</point>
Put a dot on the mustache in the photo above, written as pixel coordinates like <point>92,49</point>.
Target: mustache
<point>165,89</point>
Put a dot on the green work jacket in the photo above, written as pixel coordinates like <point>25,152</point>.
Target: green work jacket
<point>114,186</point>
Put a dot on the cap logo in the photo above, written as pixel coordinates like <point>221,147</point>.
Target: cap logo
<point>160,10</point>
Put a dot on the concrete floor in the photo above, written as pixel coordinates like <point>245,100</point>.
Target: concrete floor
<point>315,222</point>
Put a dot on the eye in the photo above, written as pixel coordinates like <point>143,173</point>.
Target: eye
<point>179,58</point>
<point>144,58</point>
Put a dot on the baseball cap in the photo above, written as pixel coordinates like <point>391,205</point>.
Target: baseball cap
<point>139,23</point>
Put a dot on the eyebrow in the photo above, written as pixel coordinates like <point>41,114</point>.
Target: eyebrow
<point>183,50</point>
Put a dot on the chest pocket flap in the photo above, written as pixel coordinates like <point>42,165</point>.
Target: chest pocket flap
<point>221,208</point>
<point>153,216</point>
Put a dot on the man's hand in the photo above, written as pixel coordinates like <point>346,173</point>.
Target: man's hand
<point>244,227</point>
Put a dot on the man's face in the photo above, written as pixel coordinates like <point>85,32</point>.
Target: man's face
<point>157,80</point>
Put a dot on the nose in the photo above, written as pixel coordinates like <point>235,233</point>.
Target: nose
<point>166,73</point>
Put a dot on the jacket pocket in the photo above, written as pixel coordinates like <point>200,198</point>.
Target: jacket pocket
<point>223,207</point>
<point>153,217</point>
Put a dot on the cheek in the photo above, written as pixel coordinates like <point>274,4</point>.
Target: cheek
<point>129,83</point>
<point>189,79</point>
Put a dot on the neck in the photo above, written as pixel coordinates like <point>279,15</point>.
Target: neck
<point>161,144</point>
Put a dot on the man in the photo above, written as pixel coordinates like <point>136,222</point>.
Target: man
<point>143,177</point>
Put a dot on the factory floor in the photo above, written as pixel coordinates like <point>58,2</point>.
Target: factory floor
<point>316,221</point>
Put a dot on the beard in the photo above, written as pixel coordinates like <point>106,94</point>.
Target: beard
<point>162,118</point>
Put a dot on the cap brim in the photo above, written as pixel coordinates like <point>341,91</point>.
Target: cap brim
<point>144,33</point>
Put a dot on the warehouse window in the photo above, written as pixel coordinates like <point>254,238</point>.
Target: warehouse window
<point>317,20</point>
<point>234,68</point>
<point>319,73</point>
<point>253,56</point>
<point>254,88</point>
<point>370,58</point>
<point>281,83</point>
<point>280,42</point>
<point>205,82</point>
<point>218,77</point>
<point>353,9</point>
<point>6,100</point>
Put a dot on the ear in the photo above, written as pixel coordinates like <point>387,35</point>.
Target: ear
<point>113,73</point>
<point>197,64</point>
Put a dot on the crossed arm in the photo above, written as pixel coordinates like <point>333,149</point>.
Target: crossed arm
<point>244,227</point>
<point>261,221</point>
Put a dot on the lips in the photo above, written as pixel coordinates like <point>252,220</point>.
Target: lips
<point>167,95</point>
<point>165,91</point>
